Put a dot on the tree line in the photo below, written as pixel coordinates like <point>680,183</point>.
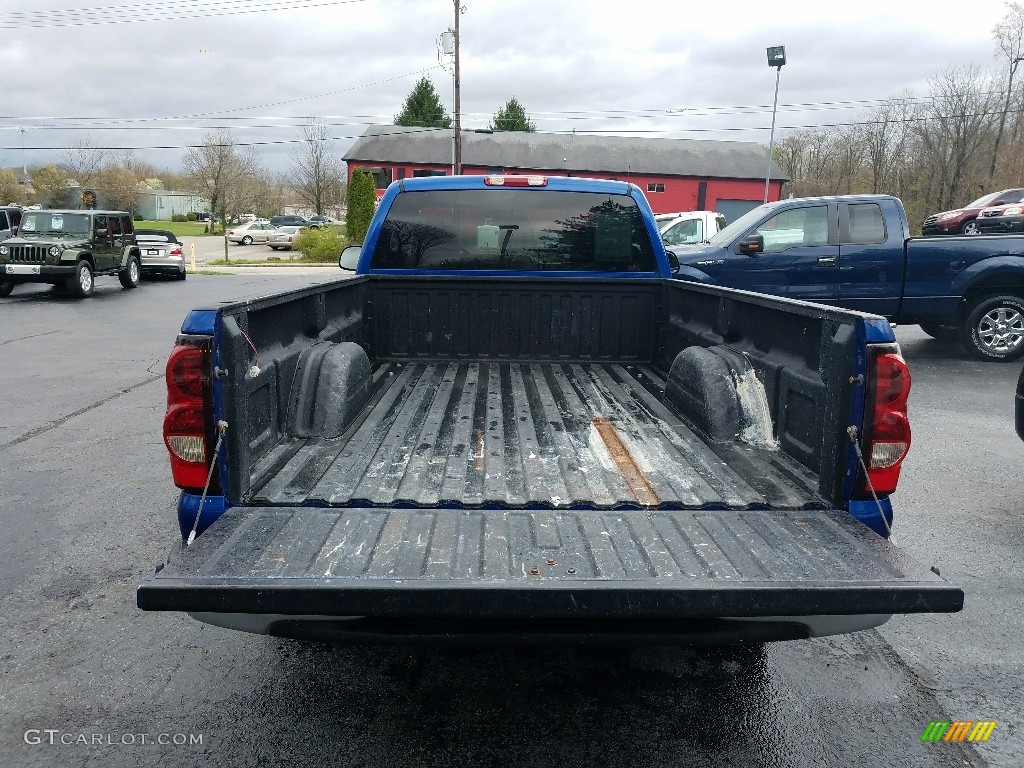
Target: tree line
<point>961,140</point>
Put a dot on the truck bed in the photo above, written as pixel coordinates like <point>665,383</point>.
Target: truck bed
<point>507,435</point>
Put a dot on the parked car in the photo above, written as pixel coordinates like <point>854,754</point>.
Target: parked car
<point>281,239</point>
<point>855,251</point>
<point>71,248</point>
<point>251,232</point>
<point>288,221</point>
<point>964,221</point>
<point>10,218</point>
<point>690,227</point>
<point>413,457</point>
<point>1003,219</point>
<point>320,221</point>
<point>162,253</point>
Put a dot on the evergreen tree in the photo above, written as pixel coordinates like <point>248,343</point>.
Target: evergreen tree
<point>423,107</point>
<point>362,199</point>
<point>512,117</point>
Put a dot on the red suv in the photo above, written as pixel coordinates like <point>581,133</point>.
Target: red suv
<point>963,221</point>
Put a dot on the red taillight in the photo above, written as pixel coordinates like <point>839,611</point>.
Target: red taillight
<point>187,419</point>
<point>886,439</point>
<point>516,181</point>
<point>176,252</point>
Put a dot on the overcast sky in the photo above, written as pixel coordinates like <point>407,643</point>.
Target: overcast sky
<point>662,68</point>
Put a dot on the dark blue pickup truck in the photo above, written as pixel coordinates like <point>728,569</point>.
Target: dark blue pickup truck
<point>855,252</point>
<point>512,423</point>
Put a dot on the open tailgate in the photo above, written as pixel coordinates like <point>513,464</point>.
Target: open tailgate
<point>502,564</point>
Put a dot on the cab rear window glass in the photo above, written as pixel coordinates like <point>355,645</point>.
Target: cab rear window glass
<point>521,230</point>
<point>866,223</point>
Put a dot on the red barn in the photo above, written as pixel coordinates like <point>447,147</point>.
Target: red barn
<point>675,174</point>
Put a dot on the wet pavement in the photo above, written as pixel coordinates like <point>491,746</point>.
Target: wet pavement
<point>86,507</point>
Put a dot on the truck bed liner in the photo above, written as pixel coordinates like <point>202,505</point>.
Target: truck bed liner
<point>502,564</point>
<point>513,435</point>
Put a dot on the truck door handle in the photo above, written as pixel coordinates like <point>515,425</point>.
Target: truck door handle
<point>827,261</point>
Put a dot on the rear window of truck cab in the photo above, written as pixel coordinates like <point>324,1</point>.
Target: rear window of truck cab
<point>515,230</point>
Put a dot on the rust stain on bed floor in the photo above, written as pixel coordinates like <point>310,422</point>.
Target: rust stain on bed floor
<point>627,465</point>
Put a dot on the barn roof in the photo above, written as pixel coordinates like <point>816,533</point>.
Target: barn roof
<point>570,152</point>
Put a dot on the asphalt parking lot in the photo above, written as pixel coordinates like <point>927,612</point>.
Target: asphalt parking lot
<point>86,506</point>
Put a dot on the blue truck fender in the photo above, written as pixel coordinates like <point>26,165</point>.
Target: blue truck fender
<point>1005,272</point>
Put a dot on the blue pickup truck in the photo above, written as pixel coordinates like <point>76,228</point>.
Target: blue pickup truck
<point>512,424</point>
<point>855,251</point>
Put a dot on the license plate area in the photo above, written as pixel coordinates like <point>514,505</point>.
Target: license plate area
<point>22,269</point>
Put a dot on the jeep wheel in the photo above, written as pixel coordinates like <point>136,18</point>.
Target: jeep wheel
<point>129,276</point>
<point>82,283</point>
<point>6,286</point>
<point>247,240</point>
<point>994,329</point>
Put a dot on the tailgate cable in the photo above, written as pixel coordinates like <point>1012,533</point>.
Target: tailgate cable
<point>852,432</point>
<point>222,427</point>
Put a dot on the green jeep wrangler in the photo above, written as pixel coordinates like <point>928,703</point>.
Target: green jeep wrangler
<point>70,248</point>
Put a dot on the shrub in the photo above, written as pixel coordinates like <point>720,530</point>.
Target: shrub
<point>137,217</point>
<point>362,198</point>
<point>191,216</point>
<point>321,245</point>
<point>178,217</point>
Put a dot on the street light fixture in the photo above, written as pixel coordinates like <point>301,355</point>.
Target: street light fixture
<point>776,58</point>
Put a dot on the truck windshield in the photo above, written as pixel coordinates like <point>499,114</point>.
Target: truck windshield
<point>50,222</point>
<point>740,226</point>
<point>508,229</point>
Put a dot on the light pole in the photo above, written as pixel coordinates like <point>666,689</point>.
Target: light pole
<point>776,58</point>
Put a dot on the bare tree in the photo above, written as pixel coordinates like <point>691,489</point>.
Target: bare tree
<point>955,129</point>
<point>316,172</point>
<point>885,139</point>
<point>1009,35</point>
<point>220,171</point>
<point>84,161</point>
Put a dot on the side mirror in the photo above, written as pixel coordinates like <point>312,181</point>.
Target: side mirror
<point>349,258</point>
<point>101,233</point>
<point>673,262</point>
<point>751,245</point>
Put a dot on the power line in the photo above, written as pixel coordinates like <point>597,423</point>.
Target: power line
<point>623,114</point>
<point>596,131</point>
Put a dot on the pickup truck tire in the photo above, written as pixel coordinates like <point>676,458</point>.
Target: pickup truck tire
<point>130,275</point>
<point>6,286</point>
<point>994,329</point>
<point>941,332</point>
<point>82,283</point>
<point>970,228</point>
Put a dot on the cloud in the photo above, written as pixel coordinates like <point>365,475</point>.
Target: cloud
<point>572,64</point>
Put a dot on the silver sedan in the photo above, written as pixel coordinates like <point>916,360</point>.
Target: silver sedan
<point>283,238</point>
<point>162,253</point>
<point>250,232</point>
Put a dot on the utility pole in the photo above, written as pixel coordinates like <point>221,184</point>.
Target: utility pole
<point>458,98</point>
